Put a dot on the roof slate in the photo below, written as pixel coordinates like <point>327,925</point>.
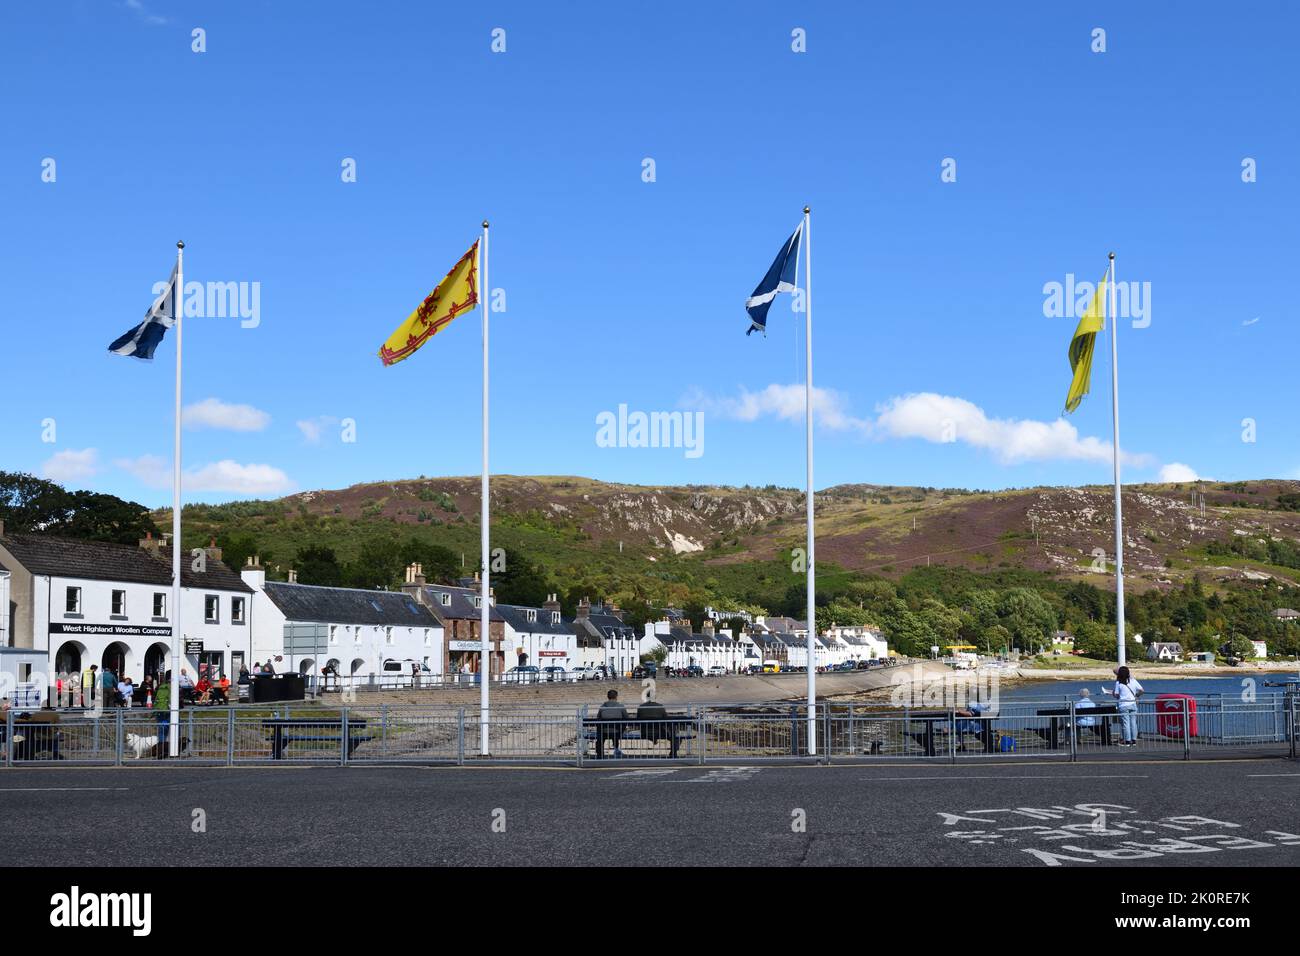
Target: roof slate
<point>105,561</point>
<point>324,605</point>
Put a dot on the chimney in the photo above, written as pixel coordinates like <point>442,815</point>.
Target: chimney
<point>293,576</point>
<point>213,552</point>
<point>252,572</point>
<point>415,581</point>
<point>707,628</point>
<point>614,609</point>
<point>584,610</point>
<point>151,544</point>
<point>551,603</point>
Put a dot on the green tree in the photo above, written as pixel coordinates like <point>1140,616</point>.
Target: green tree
<point>318,565</point>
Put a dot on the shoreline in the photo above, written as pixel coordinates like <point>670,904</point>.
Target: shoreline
<point>1020,677</point>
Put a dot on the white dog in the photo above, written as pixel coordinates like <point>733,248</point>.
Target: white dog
<point>140,744</point>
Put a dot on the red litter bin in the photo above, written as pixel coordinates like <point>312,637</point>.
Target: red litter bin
<point>1169,715</point>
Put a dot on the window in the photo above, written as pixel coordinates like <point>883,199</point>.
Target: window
<point>356,635</point>
<point>444,598</point>
<point>334,633</point>
<point>237,610</point>
<point>532,616</point>
<point>211,609</point>
<point>555,617</point>
<point>388,635</point>
<point>478,600</point>
<point>159,604</point>
<point>119,604</point>
<point>73,601</point>
<point>428,639</point>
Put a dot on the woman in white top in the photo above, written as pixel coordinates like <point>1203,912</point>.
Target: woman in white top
<point>1126,693</point>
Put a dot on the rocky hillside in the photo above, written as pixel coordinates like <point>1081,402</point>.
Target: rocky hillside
<point>567,521</point>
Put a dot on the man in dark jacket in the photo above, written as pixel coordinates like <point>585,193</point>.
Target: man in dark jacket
<point>616,714</point>
<point>655,726</point>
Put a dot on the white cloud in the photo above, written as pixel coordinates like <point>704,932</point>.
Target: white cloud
<point>312,428</point>
<point>71,465</point>
<point>214,413</point>
<point>225,476</point>
<point>1176,471</point>
<point>947,419</point>
<point>783,402</point>
<point>139,9</point>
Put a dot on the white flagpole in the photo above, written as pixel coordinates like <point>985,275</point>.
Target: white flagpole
<point>178,308</point>
<point>808,424</point>
<point>1119,512</point>
<point>485,635</point>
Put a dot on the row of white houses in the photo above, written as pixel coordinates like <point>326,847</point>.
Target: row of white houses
<point>68,604</point>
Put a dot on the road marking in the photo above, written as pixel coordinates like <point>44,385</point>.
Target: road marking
<point>53,789</point>
<point>724,775</point>
<point>1273,775</point>
<point>642,774</point>
<point>1000,776</point>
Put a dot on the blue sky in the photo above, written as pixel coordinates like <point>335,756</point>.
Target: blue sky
<point>928,295</point>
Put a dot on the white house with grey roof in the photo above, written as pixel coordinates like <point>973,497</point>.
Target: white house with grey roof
<point>539,636</point>
<point>80,602</point>
<point>363,636</point>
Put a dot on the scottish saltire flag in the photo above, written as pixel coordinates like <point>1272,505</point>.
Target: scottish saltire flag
<point>141,341</point>
<point>780,278</point>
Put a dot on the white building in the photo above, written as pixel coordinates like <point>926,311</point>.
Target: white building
<point>541,637</point>
<point>89,602</point>
<point>362,636</point>
<point>863,643</point>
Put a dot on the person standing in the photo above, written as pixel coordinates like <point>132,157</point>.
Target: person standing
<point>162,704</point>
<point>89,685</point>
<point>1126,692</point>
<point>108,686</point>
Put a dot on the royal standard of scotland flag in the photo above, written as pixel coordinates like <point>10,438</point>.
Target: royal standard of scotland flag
<point>780,278</point>
<point>141,341</point>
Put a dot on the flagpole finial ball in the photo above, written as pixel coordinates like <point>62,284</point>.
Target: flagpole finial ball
<point>180,245</point>
<point>1112,255</point>
<point>807,209</point>
<point>485,223</point>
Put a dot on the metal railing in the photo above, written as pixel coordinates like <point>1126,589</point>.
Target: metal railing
<point>359,733</point>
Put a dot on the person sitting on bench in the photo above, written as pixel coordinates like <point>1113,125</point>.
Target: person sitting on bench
<point>1084,703</point>
<point>616,713</point>
<point>656,727</point>
<point>980,727</point>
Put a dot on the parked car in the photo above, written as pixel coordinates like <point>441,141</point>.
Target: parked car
<point>584,673</point>
<point>694,670</point>
<point>554,674</point>
<point>771,667</point>
<point>527,674</point>
<point>717,670</point>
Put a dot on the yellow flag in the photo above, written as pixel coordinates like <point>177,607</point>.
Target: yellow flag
<point>1085,337</point>
<point>456,294</point>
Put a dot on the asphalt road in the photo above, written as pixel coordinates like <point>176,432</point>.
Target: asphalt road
<point>1165,813</point>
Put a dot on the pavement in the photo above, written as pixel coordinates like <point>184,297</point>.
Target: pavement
<point>1024,814</point>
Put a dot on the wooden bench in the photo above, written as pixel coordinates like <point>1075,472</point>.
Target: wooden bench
<point>1060,716</point>
<point>945,719</point>
<point>674,728</point>
<point>289,730</point>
